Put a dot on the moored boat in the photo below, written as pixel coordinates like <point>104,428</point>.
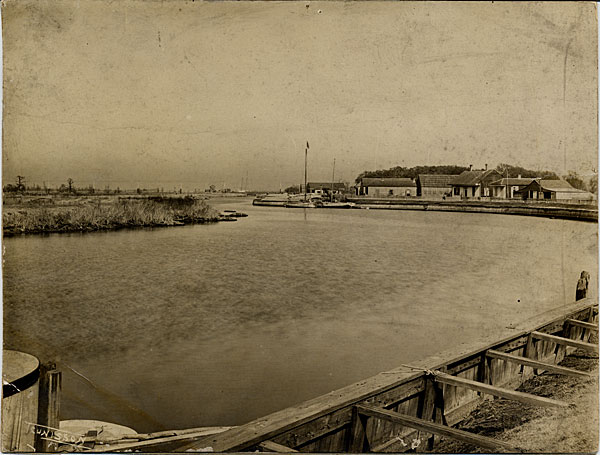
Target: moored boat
<point>272,200</point>
<point>337,205</point>
<point>301,204</point>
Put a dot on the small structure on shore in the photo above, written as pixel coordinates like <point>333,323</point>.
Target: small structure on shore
<point>545,189</point>
<point>436,185</point>
<point>324,188</point>
<point>507,188</point>
<point>386,187</point>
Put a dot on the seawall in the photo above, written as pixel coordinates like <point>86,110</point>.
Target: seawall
<point>428,396</point>
<point>541,209</point>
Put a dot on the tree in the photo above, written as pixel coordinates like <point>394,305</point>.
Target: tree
<point>593,185</point>
<point>515,171</point>
<point>412,173</point>
<point>575,180</point>
<point>70,182</point>
<point>294,189</point>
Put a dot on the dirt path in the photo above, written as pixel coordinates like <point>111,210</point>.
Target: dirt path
<point>541,430</point>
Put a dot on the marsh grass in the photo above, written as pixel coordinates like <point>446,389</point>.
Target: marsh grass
<point>113,214</point>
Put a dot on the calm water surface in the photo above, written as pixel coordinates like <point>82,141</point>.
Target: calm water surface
<point>220,324</point>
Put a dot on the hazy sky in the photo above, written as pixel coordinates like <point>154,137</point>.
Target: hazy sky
<point>196,93</point>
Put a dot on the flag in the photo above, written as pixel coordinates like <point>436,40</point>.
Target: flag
<point>307,146</point>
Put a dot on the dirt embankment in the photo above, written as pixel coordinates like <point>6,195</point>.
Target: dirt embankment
<point>541,430</point>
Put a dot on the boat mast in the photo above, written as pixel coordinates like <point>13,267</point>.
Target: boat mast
<point>305,163</point>
<point>332,179</point>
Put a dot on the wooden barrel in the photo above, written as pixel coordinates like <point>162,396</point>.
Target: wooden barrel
<point>20,388</point>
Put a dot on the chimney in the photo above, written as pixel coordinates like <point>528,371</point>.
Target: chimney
<point>470,167</point>
<point>486,166</point>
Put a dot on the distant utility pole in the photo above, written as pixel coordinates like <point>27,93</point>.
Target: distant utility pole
<point>20,183</point>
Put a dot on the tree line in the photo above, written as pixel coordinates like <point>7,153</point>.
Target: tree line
<point>506,170</point>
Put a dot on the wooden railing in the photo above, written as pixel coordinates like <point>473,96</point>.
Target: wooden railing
<point>411,406</point>
<point>401,409</point>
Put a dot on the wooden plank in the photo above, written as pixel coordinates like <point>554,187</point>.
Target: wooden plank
<point>535,363</point>
<point>48,402</point>
<point>337,421</point>
<point>585,325</point>
<point>164,444</point>
<point>166,433</point>
<point>529,352</point>
<point>497,391</point>
<point>566,341</point>
<point>293,418</point>
<point>270,446</point>
<point>436,428</point>
<point>359,442</point>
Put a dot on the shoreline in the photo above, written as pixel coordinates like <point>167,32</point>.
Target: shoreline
<point>578,212</point>
<point>68,230</point>
<point>76,214</point>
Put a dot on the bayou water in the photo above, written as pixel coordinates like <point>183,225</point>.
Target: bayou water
<point>219,324</point>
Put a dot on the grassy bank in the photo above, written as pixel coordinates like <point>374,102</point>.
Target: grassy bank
<point>541,430</point>
<point>94,214</point>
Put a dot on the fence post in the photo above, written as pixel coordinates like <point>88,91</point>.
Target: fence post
<point>49,402</point>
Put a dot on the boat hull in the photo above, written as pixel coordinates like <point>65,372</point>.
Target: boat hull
<point>269,203</point>
<point>301,205</point>
<point>337,205</point>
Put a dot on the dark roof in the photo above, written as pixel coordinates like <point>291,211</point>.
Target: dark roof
<point>325,185</point>
<point>472,178</point>
<point>557,186</point>
<point>512,182</point>
<point>435,180</point>
<point>392,182</point>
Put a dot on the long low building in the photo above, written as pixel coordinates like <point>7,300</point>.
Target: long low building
<point>434,184</point>
<point>553,190</point>
<point>386,187</point>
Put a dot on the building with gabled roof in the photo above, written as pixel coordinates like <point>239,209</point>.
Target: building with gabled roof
<point>547,189</point>
<point>434,184</point>
<point>474,183</point>
<point>507,187</point>
<point>386,187</point>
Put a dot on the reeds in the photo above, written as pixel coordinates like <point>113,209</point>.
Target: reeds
<point>118,213</point>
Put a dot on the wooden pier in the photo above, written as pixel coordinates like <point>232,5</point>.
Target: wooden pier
<point>411,406</point>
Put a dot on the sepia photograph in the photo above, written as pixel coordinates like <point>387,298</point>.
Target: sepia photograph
<point>299,226</point>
